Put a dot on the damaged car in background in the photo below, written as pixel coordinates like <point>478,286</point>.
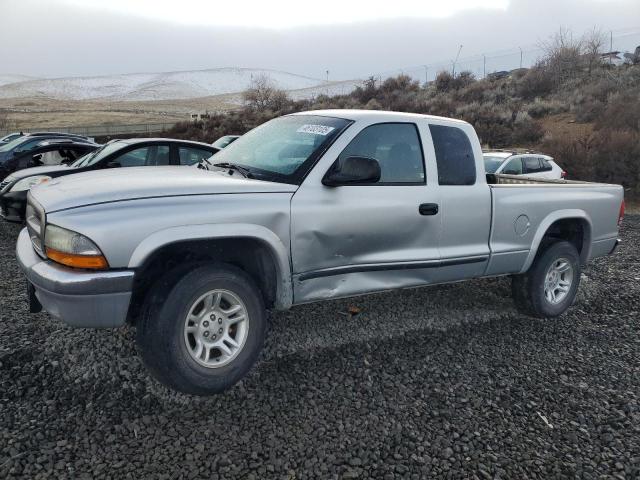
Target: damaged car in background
<point>307,207</point>
<point>135,152</point>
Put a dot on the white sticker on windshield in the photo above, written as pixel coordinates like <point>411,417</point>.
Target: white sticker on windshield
<point>315,129</point>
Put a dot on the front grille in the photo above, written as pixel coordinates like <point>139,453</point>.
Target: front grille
<point>35,220</point>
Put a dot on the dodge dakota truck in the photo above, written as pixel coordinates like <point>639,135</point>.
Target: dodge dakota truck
<point>307,207</point>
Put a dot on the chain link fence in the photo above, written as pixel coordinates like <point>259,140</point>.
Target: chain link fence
<point>482,65</point>
<point>100,130</point>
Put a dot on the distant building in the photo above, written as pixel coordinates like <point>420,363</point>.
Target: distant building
<point>498,75</point>
<point>200,116</point>
<point>613,58</point>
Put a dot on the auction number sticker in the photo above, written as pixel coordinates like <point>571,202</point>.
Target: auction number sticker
<point>315,129</point>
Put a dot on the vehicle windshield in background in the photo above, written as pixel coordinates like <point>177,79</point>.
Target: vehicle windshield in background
<point>13,143</point>
<point>282,149</point>
<point>491,164</point>
<point>224,141</point>
<point>97,155</point>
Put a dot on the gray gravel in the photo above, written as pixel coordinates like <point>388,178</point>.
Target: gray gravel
<point>441,382</point>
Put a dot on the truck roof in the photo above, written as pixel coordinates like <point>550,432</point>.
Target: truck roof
<point>373,115</point>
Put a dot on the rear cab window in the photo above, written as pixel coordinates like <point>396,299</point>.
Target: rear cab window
<point>454,155</point>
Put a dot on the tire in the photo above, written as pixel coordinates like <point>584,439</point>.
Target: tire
<point>528,289</point>
<point>169,342</point>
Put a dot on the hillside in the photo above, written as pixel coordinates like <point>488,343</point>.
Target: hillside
<point>585,115</point>
<point>149,86</point>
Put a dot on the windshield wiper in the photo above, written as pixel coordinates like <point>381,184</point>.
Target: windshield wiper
<point>232,166</point>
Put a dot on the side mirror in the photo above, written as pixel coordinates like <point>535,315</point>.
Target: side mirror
<point>352,171</point>
<point>37,158</point>
<point>113,165</point>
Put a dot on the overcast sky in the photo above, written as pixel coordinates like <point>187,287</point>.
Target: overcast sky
<point>53,38</point>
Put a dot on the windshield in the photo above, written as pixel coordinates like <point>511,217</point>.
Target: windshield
<point>96,155</point>
<point>11,136</point>
<point>284,148</point>
<point>7,147</point>
<point>491,163</point>
<point>224,141</point>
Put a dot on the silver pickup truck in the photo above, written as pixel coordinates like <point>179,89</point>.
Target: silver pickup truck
<point>311,206</point>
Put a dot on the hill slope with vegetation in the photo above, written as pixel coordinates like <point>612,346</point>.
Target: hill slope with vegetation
<point>571,105</point>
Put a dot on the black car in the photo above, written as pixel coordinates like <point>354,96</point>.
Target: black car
<point>14,135</point>
<point>136,152</point>
<point>25,143</point>
<point>9,137</point>
<point>48,152</point>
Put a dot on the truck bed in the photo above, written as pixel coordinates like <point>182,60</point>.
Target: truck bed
<point>523,209</point>
<point>503,179</point>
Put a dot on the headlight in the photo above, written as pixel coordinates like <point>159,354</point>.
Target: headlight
<point>72,249</point>
<point>27,183</point>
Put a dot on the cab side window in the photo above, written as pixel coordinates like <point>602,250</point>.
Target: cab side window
<point>514,167</point>
<point>396,147</point>
<point>191,155</point>
<point>454,156</point>
<point>144,156</point>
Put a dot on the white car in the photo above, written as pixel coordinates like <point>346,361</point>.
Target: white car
<point>530,164</point>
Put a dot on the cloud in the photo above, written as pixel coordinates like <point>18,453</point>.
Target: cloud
<point>54,39</point>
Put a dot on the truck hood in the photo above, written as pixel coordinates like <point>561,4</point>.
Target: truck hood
<point>119,184</point>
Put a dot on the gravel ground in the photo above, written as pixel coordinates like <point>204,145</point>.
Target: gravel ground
<point>439,382</point>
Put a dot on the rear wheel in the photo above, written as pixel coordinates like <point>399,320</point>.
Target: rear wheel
<point>549,288</point>
<point>206,331</point>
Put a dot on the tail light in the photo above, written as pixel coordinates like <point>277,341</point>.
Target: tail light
<point>621,214</point>
<point>563,174</point>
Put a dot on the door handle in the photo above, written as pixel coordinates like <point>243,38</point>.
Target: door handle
<point>428,209</point>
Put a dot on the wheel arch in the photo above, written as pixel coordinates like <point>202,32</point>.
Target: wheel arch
<point>573,225</point>
<point>253,248</point>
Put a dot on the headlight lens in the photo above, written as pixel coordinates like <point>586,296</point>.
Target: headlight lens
<point>27,183</point>
<point>72,249</point>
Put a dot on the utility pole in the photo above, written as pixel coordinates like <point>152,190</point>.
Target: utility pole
<point>453,69</point>
<point>426,74</point>
<point>327,83</point>
<point>520,56</point>
<point>610,46</point>
<point>484,66</point>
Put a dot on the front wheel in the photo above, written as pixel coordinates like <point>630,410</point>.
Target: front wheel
<point>550,286</point>
<point>206,333</point>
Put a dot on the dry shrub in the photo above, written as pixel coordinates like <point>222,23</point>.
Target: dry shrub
<point>617,158</point>
<point>605,156</point>
<point>621,113</point>
<point>544,108</point>
<point>493,123</point>
<point>526,131</point>
<point>537,82</point>
<point>262,95</point>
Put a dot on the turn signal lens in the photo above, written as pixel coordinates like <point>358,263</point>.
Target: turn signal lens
<point>95,262</point>
<point>72,249</point>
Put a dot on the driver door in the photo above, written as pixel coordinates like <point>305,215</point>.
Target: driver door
<point>355,239</point>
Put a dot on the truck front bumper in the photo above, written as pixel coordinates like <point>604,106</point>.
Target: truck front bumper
<point>80,298</point>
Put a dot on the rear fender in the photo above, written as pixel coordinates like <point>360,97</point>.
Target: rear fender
<point>549,220</point>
